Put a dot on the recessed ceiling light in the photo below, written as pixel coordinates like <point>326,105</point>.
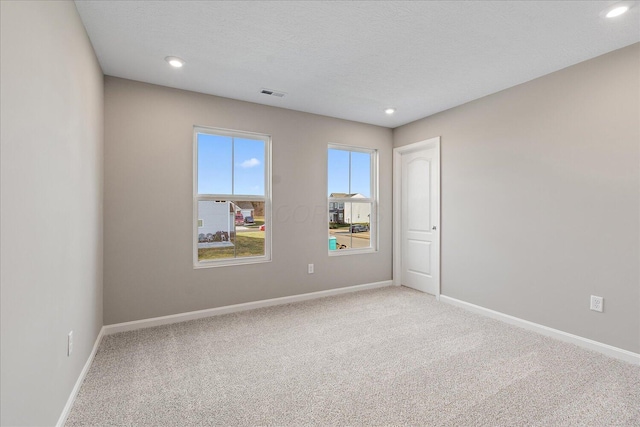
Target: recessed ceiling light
<point>617,11</point>
<point>174,61</point>
<point>390,111</point>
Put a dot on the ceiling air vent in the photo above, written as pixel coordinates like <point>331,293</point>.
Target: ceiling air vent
<point>273,93</point>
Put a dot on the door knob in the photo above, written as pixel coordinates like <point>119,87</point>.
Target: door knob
<point>433,228</point>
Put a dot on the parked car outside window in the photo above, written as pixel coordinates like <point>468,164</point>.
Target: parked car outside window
<point>239,219</point>
<point>248,220</point>
<point>356,228</point>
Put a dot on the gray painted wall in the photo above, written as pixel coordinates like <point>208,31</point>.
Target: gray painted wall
<point>148,203</point>
<point>540,198</point>
<point>51,195</point>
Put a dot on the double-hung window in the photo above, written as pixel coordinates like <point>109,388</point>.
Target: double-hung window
<point>231,200</point>
<point>353,199</point>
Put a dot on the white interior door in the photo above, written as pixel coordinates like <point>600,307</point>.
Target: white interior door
<point>420,219</point>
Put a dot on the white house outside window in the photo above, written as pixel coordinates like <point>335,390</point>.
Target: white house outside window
<point>232,206</point>
<point>352,190</point>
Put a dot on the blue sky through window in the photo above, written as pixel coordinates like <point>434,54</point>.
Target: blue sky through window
<point>338,172</point>
<point>215,165</point>
<point>249,167</point>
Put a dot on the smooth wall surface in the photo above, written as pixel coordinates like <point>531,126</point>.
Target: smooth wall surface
<point>149,200</point>
<point>541,195</point>
<point>51,265</point>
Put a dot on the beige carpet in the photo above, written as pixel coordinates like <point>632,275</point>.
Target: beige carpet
<point>389,356</point>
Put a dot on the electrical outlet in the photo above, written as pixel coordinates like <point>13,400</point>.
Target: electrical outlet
<point>310,269</point>
<point>597,303</point>
<point>70,343</point>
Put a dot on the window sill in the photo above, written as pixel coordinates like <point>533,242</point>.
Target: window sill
<point>228,263</point>
<point>343,252</point>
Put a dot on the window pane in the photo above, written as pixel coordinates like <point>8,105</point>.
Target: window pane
<point>249,167</point>
<point>250,229</point>
<point>338,173</point>
<point>216,235</point>
<point>361,174</point>
<point>230,229</point>
<point>214,164</point>
<point>339,234</point>
<point>359,216</point>
<point>350,227</point>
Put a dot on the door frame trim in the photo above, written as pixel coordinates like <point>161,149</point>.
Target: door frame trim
<point>398,152</point>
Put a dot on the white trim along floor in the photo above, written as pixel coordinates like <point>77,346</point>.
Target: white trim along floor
<point>605,349</point>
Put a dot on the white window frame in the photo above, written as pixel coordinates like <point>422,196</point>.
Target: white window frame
<point>233,197</point>
<point>373,200</point>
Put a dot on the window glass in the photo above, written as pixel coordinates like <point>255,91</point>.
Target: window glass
<point>231,229</point>
<point>249,166</point>
<point>351,225</point>
<point>214,164</point>
<point>360,174</point>
<point>338,171</point>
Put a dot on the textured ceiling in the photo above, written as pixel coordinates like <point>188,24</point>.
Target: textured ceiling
<point>351,59</point>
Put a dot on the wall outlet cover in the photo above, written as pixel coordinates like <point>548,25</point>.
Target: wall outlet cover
<point>596,303</point>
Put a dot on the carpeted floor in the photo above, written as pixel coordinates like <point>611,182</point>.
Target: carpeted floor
<point>390,356</point>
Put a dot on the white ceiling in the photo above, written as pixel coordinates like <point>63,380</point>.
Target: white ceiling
<point>351,59</point>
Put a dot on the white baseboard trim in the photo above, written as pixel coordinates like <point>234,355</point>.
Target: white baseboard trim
<point>606,349</point>
<point>76,388</point>
<point>192,315</point>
